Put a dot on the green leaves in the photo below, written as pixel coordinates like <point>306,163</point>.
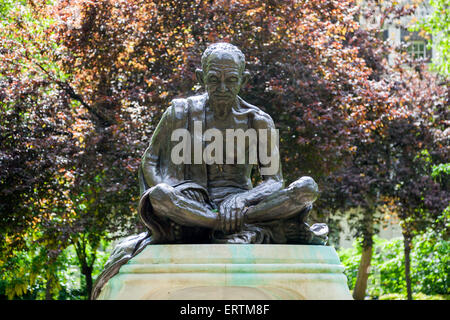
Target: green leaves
<point>429,266</point>
<point>441,170</point>
<point>437,26</point>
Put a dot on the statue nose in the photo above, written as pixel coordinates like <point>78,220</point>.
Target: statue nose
<point>222,87</point>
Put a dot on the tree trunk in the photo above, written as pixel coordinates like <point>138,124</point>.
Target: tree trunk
<point>407,250</point>
<point>48,289</point>
<point>87,273</point>
<point>86,261</point>
<point>359,292</point>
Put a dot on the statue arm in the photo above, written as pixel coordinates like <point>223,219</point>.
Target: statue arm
<point>156,158</point>
<point>273,181</point>
<point>151,160</point>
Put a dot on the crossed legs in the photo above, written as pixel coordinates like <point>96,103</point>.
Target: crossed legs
<point>170,203</point>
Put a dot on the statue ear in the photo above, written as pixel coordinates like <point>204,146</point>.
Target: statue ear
<point>245,78</point>
<point>199,76</point>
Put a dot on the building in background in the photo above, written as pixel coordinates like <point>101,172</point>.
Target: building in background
<point>397,33</point>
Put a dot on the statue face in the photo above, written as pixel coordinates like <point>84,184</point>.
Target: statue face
<point>223,78</point>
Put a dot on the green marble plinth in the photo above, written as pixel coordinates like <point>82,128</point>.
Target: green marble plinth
<point>226,271</point>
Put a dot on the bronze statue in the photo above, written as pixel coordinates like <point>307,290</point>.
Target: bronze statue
<point>215,202</point>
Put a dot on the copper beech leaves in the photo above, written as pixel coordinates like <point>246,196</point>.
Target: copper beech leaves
<point>83,84</point>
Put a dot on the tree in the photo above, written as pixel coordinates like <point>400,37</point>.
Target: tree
<point>50,176</point>
<point>420,200</point>
<point>365,184</point>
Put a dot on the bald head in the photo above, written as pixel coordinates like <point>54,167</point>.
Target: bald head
<point>223,51</point>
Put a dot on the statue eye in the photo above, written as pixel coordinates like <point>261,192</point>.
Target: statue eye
<point>213,79</point>
<point>232,79</point>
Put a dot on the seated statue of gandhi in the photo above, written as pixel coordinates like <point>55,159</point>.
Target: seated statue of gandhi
<point>210,200</point>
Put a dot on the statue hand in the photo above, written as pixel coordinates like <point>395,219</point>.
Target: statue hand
<point>194,195</point>
<point>232,214</point>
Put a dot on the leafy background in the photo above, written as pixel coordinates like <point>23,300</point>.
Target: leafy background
<point>83,84</point>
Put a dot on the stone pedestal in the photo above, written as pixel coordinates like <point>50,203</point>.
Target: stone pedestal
<point>228,271</point>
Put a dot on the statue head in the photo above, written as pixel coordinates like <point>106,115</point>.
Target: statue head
<point>223,72</point>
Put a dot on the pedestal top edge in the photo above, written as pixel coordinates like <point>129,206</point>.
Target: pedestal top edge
<point>236,253</point>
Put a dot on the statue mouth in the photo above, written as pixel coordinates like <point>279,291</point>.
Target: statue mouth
<point>222,96</point>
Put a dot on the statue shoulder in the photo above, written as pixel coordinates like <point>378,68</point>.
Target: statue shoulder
<point>260,119</point>
<point>178,107</point>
